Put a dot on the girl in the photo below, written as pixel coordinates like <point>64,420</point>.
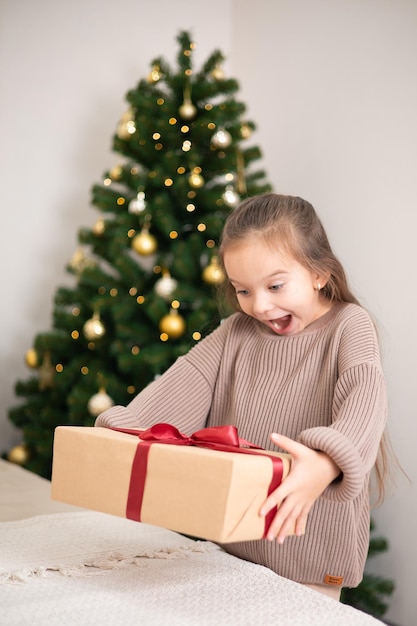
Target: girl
<point>297,366</point>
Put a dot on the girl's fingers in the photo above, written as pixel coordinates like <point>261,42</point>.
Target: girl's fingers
<point>292,498</point>
<point>287,444</point>
<point>281,527</point>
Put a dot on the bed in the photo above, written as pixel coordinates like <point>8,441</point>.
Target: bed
<point>63,565</point>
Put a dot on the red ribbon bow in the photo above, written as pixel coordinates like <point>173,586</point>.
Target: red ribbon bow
<point>221,438</point>
<point>216,437</point>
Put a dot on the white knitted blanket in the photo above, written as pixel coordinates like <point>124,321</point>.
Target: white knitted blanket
<point>83,544</point>
<point>89,568</point>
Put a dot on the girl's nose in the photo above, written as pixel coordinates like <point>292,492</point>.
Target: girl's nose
<point>261,304</point>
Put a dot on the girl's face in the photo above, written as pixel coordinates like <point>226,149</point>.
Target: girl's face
<point>273,287</point>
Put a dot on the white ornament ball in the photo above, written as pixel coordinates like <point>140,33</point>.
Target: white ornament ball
<point>165,287</point>
<point>138,204</point>
<point>221,139</point>
<point>99,402</point>
<point>187,111</point>
<point>94,328</point>
<point>230,197</point>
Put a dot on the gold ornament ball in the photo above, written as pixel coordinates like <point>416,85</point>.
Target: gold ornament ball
<point>116,172</point>
<point>172,324</point>
<point>31,358</point>
<point>126,127</point>
<point>218,73</point>
<point>19,455</point>
<point>245,131</point>
<point>94,328</point>
<point>128,115</point>
<point>154,75</point>
<point>144,243</point>
<point>123,131</point>
<point>187,111</point>
<point>99,227</point>
<point>213,274</point>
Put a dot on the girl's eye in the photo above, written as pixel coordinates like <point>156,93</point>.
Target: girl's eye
<point>276,287</point>
<point>242,292</point>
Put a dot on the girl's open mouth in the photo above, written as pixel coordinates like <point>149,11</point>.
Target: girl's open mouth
<point>281,324</point>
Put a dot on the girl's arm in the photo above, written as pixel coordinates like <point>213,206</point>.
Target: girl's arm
<point>181,396</point>
<point>335,460</point>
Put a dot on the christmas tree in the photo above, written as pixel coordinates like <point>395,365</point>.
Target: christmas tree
<point>145,275</point>
<point>372,595</point>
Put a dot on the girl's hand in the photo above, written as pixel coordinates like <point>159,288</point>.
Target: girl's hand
<point>311,472</point>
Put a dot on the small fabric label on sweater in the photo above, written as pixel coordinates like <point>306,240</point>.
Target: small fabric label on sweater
<point>333,580</point>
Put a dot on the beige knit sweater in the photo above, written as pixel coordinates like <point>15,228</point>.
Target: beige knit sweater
<point>323,387</point>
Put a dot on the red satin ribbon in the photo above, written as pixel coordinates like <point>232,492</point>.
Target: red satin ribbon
<point>222,438</point>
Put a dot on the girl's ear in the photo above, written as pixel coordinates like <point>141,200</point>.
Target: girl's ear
<point>321,280</point>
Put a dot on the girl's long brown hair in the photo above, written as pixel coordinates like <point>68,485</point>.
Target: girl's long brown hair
<point>291,223</point>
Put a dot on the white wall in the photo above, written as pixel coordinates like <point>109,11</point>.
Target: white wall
<point>332,86</point>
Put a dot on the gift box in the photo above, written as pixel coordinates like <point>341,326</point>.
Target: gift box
<point>203,486</point>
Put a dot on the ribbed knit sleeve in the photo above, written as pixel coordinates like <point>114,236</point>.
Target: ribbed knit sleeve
<point>181,396</point>
<point>359,410</point>
<point>170,398</point>
<point>353,443</point>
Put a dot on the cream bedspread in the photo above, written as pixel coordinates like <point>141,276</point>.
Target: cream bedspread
<point>83,568</point>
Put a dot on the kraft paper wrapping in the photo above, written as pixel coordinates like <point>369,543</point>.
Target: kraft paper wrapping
<point>199,492</point>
